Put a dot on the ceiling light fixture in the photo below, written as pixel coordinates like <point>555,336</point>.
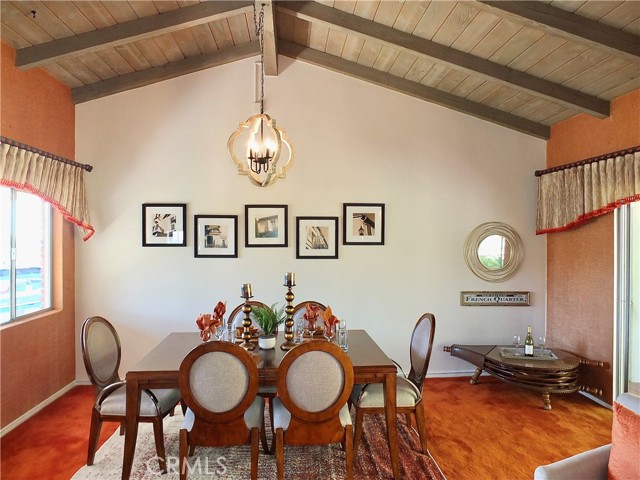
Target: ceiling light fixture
<point>258,147</point>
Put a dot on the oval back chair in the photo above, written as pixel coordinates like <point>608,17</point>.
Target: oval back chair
<point>314,381</point>
<point>101,353</point>
<point>369,398</point>
<point>219,383</point>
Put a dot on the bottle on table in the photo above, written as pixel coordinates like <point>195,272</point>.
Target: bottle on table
<point>528,343</point>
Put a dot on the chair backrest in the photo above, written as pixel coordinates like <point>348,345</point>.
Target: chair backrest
<point>420,350</point>
<point>300,309</point>
<point>218,381</point>
<point>100,352</point>
<point>314,381</point>
<point>236,316</point>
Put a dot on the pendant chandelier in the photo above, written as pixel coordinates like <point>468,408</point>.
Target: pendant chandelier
<point>258,147</point>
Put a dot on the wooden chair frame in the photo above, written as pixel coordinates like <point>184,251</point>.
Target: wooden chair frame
<point>105,386</point>
<point>416,376</point>
<point>314,428</point>
<point>219,429</point>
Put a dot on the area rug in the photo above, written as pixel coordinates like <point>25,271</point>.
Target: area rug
<point>301,463</point>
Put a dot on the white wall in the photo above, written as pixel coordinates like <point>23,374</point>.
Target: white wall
<point>440,174</point>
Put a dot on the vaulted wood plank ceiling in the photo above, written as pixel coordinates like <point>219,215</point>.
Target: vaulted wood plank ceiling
<point>525,65</point>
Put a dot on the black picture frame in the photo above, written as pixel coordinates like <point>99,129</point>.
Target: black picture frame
<point>164,225</point>
<point>215,236</point>
<point>317,237</point>
<point>363,223</point>
<point>266,226</point>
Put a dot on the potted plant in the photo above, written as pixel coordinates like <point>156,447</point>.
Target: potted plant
<point>268,318</point>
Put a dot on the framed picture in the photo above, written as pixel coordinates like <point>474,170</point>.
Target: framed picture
<point>215,236</point>
<point>163,224</point>
<point>363,224</point>
<point>265,225</point>
<point>317,237</point>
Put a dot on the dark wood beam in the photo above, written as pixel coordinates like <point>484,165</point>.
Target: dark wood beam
<point>127,32</point>
<point>165,72</point>
<point>570,26</point>
<point>337,19</point>
<point>414,89</point>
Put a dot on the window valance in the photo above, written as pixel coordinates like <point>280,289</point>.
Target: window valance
<point>569,195</point>
<point>56,180</point>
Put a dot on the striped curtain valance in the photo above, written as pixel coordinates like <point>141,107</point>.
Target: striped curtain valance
<point>56,180</point>
<point>572,194</point>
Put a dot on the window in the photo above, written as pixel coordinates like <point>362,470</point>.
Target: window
<point>627,332</point>
<point>25,254</point>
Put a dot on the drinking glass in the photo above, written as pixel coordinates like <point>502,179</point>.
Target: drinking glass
<point>343,337</point>
<point>516,343</point>
<point>542,342</point>
<point>299,333</point>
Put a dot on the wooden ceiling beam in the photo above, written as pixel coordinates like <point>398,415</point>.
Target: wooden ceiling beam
<point>414,89</point>
<point>270,40</point>
<point>165,72</point>
<point>127,32</point>
<point>339,20</point>
<point>568,25</point>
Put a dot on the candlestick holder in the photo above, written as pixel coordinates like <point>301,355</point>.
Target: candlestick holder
<point>288,324</point>
<point>246,323</point>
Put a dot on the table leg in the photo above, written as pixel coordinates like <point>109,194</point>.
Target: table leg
<point>547,400</point>
<point>391,412</point>
<point>130,427</point>
<point>475,377</point>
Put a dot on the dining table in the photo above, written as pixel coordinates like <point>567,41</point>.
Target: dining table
<point>160,369</point>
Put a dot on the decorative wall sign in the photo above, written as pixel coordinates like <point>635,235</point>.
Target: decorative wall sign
<point>494,299</point>
<point>163,224</point>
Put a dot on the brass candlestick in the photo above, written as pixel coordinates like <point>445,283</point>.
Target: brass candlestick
<point>246,323</point>
<point>288,324</point>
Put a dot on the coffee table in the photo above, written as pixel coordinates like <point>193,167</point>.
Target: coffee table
<point>546,375</point>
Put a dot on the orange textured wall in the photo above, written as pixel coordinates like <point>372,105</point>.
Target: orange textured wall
<point>37,355</point>
<point>580,262</point>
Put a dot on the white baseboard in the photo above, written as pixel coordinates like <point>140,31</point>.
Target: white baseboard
<point>25,416</point>
<point>468,373</point>
<point>597,400</point>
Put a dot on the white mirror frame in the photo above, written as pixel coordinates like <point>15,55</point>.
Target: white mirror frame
<point>475,238</point>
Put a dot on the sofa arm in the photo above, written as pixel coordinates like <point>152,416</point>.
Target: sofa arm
<point>589,465</point>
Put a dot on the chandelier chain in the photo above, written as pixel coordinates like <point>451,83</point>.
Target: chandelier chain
<point>258,20</point>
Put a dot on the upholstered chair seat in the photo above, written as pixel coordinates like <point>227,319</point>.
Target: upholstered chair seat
<point>115,403</point>
<point>372,395</point>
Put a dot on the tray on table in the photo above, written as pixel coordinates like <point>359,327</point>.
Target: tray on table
<point>518,354</point>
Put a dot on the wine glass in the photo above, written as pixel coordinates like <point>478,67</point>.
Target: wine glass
<point>516,343</point>
<point>542,342</point>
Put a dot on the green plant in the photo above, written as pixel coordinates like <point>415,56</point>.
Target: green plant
<point>268,318</point>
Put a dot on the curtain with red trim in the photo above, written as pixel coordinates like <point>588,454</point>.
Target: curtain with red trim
<point>58,183</point>
<point>568,197</point>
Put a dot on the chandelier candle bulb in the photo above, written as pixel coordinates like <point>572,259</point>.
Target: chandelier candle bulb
<point>246,290</point>
<point>290,279</point>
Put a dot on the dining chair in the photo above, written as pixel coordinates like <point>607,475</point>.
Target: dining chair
<point>101,352</point>
<point>219,384</point>
<point>314,381</point>
<point>369,398</point>
<point>235,320</point>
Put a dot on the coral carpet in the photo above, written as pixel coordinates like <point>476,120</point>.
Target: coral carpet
<point>301,463</point>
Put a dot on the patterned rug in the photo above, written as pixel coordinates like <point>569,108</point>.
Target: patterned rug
<point>301,463</point>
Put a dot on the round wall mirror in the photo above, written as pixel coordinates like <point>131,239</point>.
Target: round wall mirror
<point>493,251</point>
